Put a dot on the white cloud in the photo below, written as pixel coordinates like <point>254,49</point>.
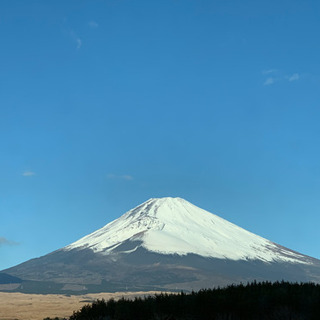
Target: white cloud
<point>275,75</point>
<point>76,39</point>
<point>294,77</point>
<point>120,177</point>
<point>79,43</point>
<point>5,241</point>
<point>269,71</point>
<point>269,81</point>
<point>93,24</point>
<point>127,177</point>
<point>28,173</point>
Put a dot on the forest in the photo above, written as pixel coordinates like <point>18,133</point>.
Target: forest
<point>264,301</point>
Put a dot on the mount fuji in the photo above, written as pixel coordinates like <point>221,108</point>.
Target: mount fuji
<point>163,244</point>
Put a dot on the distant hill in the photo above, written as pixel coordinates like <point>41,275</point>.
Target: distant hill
<point>8,279</point>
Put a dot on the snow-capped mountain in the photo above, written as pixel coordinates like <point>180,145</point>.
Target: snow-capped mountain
<point>162,244</point>
<point>175,226</point>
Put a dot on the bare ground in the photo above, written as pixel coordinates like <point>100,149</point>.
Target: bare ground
<point>22,306</point>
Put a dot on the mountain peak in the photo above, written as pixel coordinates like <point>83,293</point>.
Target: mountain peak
<point>175,226</point>
<point>167,201</point>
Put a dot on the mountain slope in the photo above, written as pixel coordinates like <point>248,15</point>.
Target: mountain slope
<point>163,244</point>
<point>175,226</point>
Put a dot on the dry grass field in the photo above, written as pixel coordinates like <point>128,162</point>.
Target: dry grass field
<point>37,307</point>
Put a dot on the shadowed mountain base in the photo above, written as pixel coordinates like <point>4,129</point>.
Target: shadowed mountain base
<point>83,271</point>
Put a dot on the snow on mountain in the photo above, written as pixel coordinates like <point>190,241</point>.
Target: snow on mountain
<point>175,226</point>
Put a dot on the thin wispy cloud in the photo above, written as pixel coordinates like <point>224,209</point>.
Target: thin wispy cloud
<point>275,75</point>
<point>71,34</point>
<point>294,77</point>
<point>76,39</point>
<point>79,43</point>
<point>269,71</point>
<point>269,81</point>
<point>28,173</point>
<point>74,36</point>
<point>5,242</point>
<point>93,24</point>
<point>271,75</point>
<point>126,177</point>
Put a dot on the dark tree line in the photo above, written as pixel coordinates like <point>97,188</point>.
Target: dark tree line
<point>263,301</point>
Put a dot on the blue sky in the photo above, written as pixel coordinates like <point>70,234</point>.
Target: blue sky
<point>105,104</point>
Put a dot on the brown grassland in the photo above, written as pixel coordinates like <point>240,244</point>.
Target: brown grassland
<point>37,306</point>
